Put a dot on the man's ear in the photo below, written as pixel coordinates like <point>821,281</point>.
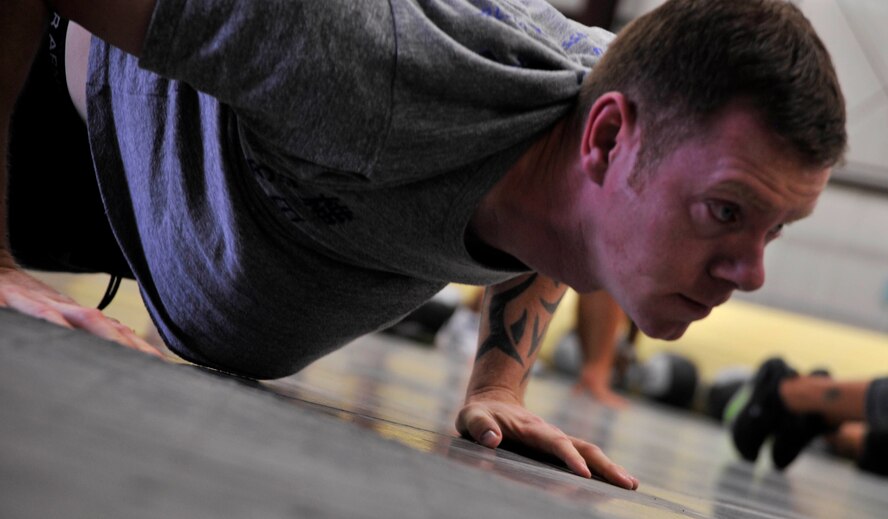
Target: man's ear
<point>608,121</point>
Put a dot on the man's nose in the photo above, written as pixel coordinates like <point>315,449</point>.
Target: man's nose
<point>744,268</point>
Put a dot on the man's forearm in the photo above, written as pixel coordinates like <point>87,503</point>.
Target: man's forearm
<point>122,23</point>
<point>22,23</point>
<point>4,228</point>
<point>515,317</point>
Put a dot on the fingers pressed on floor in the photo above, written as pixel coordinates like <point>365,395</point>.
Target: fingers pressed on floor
<point>97,323</point>
<point>604,467</point>
<point>34,308</point>
<point>142,345</point>
<point>564,449</point>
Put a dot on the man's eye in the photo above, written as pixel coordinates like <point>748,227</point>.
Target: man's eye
<point>724,213</point>
<point>776,232</point>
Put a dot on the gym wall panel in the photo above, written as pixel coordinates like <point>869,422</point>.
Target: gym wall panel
<point>868,151</point>
<point>853,31</point>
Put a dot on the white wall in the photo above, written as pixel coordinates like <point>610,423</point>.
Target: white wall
<point>855,33</point>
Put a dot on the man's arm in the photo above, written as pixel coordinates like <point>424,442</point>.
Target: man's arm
<point>514,319</point>
<point>22,24</point>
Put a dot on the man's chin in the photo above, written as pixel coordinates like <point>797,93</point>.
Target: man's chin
<point>666,331</point>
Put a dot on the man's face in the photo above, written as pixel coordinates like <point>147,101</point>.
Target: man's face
<point>677,244</point>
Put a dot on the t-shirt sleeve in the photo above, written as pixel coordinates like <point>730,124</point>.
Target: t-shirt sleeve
<point>310,78</point>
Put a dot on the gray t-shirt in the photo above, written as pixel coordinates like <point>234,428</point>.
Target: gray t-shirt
<point>284,176</point>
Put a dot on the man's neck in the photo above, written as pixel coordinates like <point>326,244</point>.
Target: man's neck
<point>516,215</point>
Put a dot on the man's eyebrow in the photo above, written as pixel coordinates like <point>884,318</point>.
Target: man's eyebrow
<point>751,196</point>
<point>747,194</point>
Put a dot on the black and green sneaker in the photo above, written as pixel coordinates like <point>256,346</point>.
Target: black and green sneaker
<point>756,411</point>
<point>796,431</point>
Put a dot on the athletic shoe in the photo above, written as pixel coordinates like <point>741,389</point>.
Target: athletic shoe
<point>796,431</point>
<point>874,457</point>
<point>756,411</point>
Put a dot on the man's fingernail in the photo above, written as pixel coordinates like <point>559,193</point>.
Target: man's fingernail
<point>488,437</point>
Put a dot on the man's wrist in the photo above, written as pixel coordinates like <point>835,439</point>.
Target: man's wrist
<point>6,259</point>
<point>499,392</point>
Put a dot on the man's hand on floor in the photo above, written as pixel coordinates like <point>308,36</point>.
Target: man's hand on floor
<point>495,415</point>
<point>26,294</point>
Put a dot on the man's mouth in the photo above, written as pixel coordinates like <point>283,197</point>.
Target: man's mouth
<point>700,310</point>
<point>703,307</point>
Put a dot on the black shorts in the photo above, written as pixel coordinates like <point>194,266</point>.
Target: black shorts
<point>56,217</point>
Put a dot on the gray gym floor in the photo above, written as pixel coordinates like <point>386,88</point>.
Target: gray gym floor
<point>88,429</point>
